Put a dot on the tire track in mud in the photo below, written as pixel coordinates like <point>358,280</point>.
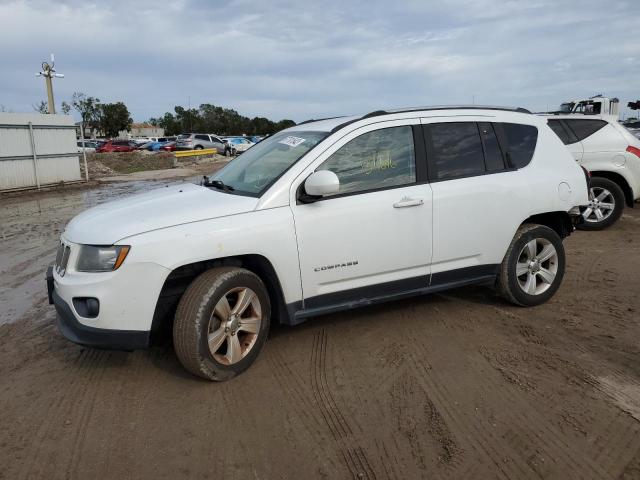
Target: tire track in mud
<point>318,420</point>
<point>300,402</point>
<point>618,443</point>
<point>290,383</point>
<point>416,415</point>
<point>490,460</point>
<point>79,394</point>
<point>532,427</point>
<point>355,458</point>
<point>621,443</point>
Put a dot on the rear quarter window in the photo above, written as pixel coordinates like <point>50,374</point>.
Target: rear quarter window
<point>561,132</point>
<point>520,143</point>
<point>585,128</point>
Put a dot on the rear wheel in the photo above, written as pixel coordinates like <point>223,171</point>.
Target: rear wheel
<point>221,323</point>
<point>533,266</point>
<point>198,147</point>
<point>606,202</point>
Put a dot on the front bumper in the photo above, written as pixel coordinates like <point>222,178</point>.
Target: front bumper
<point>77,332</point>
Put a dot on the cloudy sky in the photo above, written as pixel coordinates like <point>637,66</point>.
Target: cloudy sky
<point>309,59</point>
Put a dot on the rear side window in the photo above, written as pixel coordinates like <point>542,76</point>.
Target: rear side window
<point>585,128</point>
<point>456,150</point>
<point>520,143</point>
<point>493,158</point>
<point>203,137</point>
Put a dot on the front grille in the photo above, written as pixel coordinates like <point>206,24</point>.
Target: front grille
<point>62,258</point>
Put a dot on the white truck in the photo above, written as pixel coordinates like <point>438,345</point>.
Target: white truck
<point>325,216</point>
<point>596,105</point>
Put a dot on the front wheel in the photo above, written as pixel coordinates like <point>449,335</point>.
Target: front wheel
<point>221,323</point>
<point>606,202</point>
<point>533,266</point>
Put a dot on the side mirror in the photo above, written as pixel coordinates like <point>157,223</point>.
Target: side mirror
<point>321,183</point>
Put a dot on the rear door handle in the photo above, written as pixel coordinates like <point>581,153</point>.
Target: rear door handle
<point>408,202</point>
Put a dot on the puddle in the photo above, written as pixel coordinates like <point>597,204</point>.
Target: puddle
<point>30,226</point>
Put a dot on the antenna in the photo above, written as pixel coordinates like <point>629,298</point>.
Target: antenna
<point>48,72</point>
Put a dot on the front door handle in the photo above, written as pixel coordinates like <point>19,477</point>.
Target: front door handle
<point>408,202</point>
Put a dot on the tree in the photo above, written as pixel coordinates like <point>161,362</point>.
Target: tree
<point>212,119</point>
<point>65,108</point>
<point>89,110</point>
<point>41,107</point>
<point>114,117</point>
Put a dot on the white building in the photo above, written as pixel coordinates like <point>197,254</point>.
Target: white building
<point>142,130</point>
<point>37,150</point>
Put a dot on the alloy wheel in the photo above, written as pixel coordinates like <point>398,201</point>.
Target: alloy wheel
<point>537,266</point>
<point>601,205</point>
<point>234,325</point>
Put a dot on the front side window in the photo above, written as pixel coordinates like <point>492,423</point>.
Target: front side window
<point>521,143</point>
<point>256,169</point>
<point>456,150</point>
<point>585,128</point>
<point>379,159</point>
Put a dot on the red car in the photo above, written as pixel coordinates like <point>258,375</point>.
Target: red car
<point>169,147</point>
<point>117,146</point>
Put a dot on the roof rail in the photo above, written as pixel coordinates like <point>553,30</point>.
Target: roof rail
<point>311,120</point>
<point>378,113</point>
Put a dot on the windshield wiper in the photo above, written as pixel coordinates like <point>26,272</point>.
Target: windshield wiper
<point>219,184</point>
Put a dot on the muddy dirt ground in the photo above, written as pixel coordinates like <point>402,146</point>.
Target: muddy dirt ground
<point>455,385</point>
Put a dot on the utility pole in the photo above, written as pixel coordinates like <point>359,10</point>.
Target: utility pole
<point>48,72</point>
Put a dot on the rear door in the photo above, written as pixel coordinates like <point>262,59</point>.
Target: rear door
<point>478,193</point>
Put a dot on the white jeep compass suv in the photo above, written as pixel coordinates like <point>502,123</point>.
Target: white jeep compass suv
<point>325,216</point>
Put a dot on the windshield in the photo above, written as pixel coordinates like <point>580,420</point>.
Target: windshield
<point>262,164</point>
<point>566,107</point>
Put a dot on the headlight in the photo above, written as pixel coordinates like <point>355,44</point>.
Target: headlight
<point>101,259</point>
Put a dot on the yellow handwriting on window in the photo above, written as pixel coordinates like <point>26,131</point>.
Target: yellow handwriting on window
<point>380,161</point>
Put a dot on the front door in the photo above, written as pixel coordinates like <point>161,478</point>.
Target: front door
<point>372,239</point>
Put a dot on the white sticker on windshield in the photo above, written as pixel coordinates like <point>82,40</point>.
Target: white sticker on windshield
<point>292,141</point>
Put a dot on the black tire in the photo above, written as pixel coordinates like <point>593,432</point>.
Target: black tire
<point>198,147</point>
<point>192,322</point>
<point>598,184</point>
<point>509,284</point>
<point>234,152</point>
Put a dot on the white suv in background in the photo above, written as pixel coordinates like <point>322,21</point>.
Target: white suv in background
<point>325,216</point>
<point>612,154</point>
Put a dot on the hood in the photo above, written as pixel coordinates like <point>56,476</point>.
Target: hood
<point>165,207</point>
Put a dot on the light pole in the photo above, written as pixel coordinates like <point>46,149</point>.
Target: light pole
<point>48,72</point>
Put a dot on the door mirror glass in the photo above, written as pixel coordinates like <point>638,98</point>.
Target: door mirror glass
<point>321,183</point>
